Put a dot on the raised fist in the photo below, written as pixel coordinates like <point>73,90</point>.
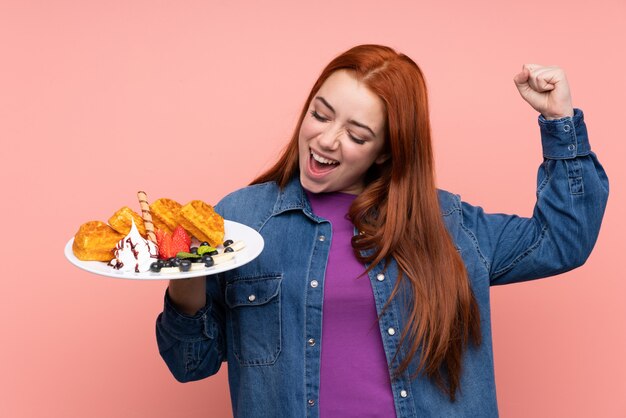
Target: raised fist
<point>546,90</point>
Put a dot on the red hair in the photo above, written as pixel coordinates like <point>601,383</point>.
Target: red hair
<point>399,217</point>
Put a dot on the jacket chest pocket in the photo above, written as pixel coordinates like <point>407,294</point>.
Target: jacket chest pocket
<point>255,325</point>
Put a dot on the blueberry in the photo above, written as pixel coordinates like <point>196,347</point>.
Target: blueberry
<point>155,267</point>
<point>193,250</point>
<point>204,244</point>
<point>229,250</point>
<point>185,265</point>
<point>214,252</point>
<point>228,242</point>
<point>208,261</point>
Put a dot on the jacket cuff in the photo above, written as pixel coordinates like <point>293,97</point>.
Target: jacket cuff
<point>564,138</point>
<point>184,327</point>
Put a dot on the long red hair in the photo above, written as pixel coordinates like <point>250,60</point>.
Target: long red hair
<point>399,217</point>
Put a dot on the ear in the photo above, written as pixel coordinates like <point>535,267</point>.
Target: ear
<point>381,158</point>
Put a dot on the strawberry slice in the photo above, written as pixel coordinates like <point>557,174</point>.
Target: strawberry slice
<point>164,242</point>
<point>182,233</point>
<point>181,241</point>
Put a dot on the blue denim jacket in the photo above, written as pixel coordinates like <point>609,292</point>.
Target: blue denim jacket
<point>272,342</point>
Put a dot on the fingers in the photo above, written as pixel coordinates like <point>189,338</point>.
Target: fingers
<point>540,78</point>
<point>546,89</point>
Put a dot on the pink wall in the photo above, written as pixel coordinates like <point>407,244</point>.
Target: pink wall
<point>101,98</point>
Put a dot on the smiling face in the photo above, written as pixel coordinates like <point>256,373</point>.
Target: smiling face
<point>341,136</point>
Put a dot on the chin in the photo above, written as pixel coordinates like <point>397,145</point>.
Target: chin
<point>311,186</point>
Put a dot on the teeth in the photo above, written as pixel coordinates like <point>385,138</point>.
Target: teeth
<point>322,160</point>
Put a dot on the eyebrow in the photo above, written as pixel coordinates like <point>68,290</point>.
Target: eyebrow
<point>352,121</point>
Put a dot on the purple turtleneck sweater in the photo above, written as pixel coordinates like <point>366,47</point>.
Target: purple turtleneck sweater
<point>354,378</point>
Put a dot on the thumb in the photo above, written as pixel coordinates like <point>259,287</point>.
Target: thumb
<point>521,78</point>
<point>522,82</point>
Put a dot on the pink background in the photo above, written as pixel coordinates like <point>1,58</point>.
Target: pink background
<point>192,99</point>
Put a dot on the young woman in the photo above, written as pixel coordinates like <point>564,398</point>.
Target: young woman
<point>371,297</point>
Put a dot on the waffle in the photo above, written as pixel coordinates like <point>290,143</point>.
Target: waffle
<point>201,221</point>
<point>165,214</point>
<point>121,221</point>
<point>95,241</point>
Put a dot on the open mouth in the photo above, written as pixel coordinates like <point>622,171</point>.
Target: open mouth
<point>321,165</point>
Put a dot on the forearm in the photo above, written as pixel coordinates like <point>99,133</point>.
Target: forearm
<point>188,296</point>
<point>564,226</point>
<point>572,191</point>
<point>571,197</point>
<point>192,346</point>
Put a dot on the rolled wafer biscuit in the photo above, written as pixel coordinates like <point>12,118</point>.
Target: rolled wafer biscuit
<point>147,217</point>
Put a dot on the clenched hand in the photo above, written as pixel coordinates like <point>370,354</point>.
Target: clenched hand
<point>546,90</point>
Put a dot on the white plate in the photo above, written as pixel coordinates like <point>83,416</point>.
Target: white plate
<point>233,230</point>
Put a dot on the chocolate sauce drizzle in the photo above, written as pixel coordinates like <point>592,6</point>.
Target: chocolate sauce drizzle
<point>117,264</point>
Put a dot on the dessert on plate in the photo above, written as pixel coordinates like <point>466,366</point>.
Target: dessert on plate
<point>167,237</point>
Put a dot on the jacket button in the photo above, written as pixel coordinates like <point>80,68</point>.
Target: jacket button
<point>311,402</point>
<point>391,331</point>
<point>311,342</point>
<point>380,277</point>
<point>403,394</point>
<point>321,238</point>
<point>314,283</point>
<point>251,298</point>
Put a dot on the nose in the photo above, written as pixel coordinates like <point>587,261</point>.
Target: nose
<point>329,139</point>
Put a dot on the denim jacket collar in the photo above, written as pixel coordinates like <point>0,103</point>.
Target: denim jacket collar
<point>293,197</point>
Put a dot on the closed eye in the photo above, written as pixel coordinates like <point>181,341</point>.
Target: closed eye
<point>318,116</point>
<point>323,119</point>
<point>357,140</point>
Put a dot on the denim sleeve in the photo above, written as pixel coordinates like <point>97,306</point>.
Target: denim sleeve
<point>193,346</point>
<point>572,192</point>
